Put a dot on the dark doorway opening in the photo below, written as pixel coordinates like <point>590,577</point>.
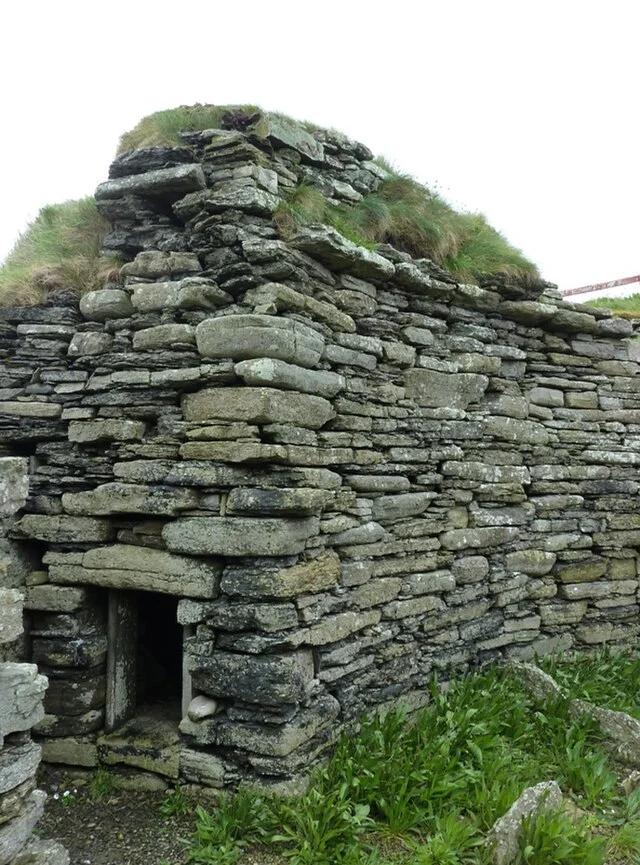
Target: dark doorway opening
<point>145,673</point>
<point>159,662</point>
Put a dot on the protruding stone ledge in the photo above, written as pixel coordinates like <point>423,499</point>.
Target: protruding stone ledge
<point>242,337</point>
<point>258,405</point>
<point>123,566</point>
<point>166,182</point>
<point>239,536</point>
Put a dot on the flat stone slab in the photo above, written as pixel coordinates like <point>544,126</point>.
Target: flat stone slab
<point>334,250</point>
<point>504,836</point>
<point>62,529</point>
<point>437,389</point>
<point>239,536</point>
<point>119,498</point>
<point>126,566</point>
<point>22,690</point>
<point>620,729</point>
<point>266,371</point>
<point>11,623</point>
<point>260,405</point>
<point>165,182</point>
<point>14,483</point>
<point>18,763</point>
<point>15,833</point>
<point>241,337</point>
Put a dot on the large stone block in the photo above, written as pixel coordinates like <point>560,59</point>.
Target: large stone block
<point>15,833</point>
<point>117,498</point>
<point>450,390</point>
<point>190,293</point>
<point>268,372</point>
<point>266,679</point>
<point>258,405</point>
<point>336,252</point>
<point>462,539</point>
<point>11,624</point>
<point>106,303</point>
<point>317,575</point>
<point>125,566</point>
<point>299,502</point>
<point>168,183</point>
<point>21,691</point>
<point>242,337</point>
<point>62,529</point>
<point>239,536</point>
<point>14,484</point>
<point>18,763</point>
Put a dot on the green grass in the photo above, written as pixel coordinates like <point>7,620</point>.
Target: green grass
<point>622,307</point>
<point>163,128</point>
<point>59,251</point>
<point>416,220</point>
<point>427,789</point>
<point>609,679</point>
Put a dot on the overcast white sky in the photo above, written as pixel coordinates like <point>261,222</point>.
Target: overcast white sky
<point>526,110</point>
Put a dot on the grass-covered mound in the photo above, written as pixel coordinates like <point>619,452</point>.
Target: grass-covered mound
<point>427,791</point>
<point>61,249</point>
<point>623,307</point>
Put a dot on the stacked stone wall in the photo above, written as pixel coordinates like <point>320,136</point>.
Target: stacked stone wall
<point>21,693</point>
<point>352,471</point>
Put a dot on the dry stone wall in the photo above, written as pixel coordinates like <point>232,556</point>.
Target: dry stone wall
<point>21,692</point>
<point>351,471</point>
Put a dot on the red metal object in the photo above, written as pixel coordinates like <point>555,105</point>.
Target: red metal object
<point>602,286</point>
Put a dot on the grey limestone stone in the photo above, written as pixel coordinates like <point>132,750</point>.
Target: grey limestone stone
<point>11,624</point>
<point>504,836</point>
<point>434,389</point>
<point>106,303</point>
<point>258,405</point>
<point>60,529</point>
<point>14,484</point>
<point>21,691</point>
<point>164,336</point>
<point>534,562</point>
<point>316,575</point>
<point>281,502</point>
<point>15,833</point>
<point>461,539</point>
<point>267,679</point>
<point>239,536</point>
<point>270,372</point>
<point>125,566</point>
<point>332,249</point>
<point>165,182</point>
<point>119,498</point>
<point>152,264</point>
<point>110,428</point>
<point>189,293</point>
<point>242,337</point>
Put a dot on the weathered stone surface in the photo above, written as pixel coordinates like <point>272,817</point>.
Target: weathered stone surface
<point>14,484</point>
<point>239,536</point>
<point>21,691</point>
<point>242,337</point>
<point>534,562</point>
<point>166,182</point>
<point>11,625</point>
<point>64,529</point>
<point>389,508</point>
<point>258,405</point>
<point>71,751</point>
<point>61,599</point>
<point>42,852</point>
<point>316,575</point>
<point>117,498</point>
<point>283,131</point>
<point>539,684</point>
<point>267,679</point>
<point>275,297</point>
<point>283,502</point>
<point>124,566</point>
<point>189,293</point>
<point>268,372</point>
<point>15,833</point>
<point>622,732</point>
<point>202,707</point>
<point>30,409</point>
<point>105,430</point>
<point>436,389</point>
<point>152,264</point>
<point>504,836</point>
<point>164,336</point>
<point>460,539</point>
<point>106,303</point>
<point>332,249</point>
<point>18,763</point>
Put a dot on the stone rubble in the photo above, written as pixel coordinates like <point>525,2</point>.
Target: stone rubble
<point>351,471</point>
<point>21,693</point>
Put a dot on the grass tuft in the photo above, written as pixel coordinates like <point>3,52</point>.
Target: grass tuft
<point>416,220</point>
<point>163,128</point>
<point>59,251</point>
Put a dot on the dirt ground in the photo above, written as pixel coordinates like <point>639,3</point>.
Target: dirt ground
<point>122,827</point>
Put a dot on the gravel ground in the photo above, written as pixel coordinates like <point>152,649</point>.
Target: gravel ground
<point>124,827</point>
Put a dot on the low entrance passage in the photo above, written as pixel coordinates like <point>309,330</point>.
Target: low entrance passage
<point>145,658</point>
